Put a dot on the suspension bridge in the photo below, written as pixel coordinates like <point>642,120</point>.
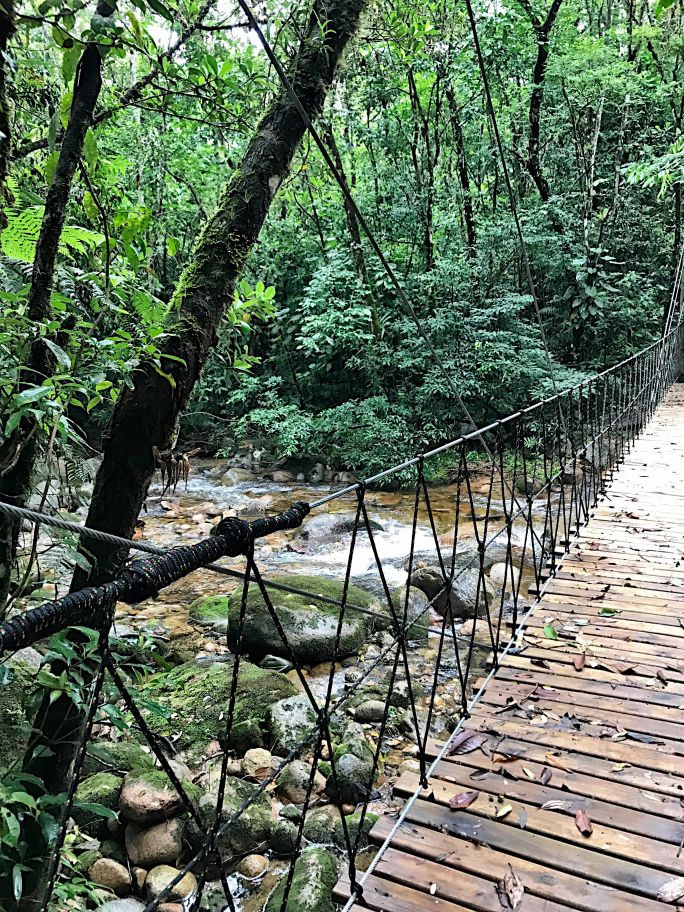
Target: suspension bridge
<point>560,787</point>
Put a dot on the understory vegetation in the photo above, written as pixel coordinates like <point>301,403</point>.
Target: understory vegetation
<point>181,269</point>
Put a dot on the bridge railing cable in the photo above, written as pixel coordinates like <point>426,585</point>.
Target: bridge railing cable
<point>383,655</point>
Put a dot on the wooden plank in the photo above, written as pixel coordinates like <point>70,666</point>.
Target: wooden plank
<point>557,823</point>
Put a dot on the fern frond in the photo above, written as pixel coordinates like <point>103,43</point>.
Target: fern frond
<point>19,238</point>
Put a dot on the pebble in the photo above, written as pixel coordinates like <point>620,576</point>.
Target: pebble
<point>161,876</point>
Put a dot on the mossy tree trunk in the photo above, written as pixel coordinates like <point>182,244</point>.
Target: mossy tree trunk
<point>7,27</point>
<point>145,415</point>
<point>20,448</point>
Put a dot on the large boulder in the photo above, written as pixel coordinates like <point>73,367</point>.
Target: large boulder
<point>315,876</point>
<point>310,624</point>
<point>195,699</point>
<point>296,779</point>
<point>464,589</point>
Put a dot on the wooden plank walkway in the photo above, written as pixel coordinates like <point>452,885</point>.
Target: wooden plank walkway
<point>592,723</point>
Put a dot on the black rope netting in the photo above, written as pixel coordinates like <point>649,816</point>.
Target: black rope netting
<point>516,506</point>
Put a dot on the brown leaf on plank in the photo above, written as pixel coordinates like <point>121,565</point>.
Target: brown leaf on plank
<point>466,741</point>
<point>662,676</point>
<point>554,761</point>
<point>510,890</point>
<point>556,805</point>
<point>462,800</point>
<point>583,823</point>
<point>479,774</point>
<point>545,776</point>
<point>672,890</point>
<point>578,661</point>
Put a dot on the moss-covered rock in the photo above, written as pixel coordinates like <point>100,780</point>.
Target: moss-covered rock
<point>319,826</point>
<point>253,825</point>
<point>353,822</point>
<point>116,756</point>
<point>195,699</point>
<point>310,624</point>
<point>289,722</point>
<point>315,876</point>
<point>17,688</point>
<point>210,611</point>
<point>86,860</point>
<point>102,789</point>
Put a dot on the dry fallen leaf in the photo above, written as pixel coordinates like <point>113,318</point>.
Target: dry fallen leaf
<point>583,823</point>
<point>672,890</point>
<point>510,890</point>
<point>504,810</point>
<point>462,800</point>
<point>662,676</point>
<point>556,805</point>
<point>522,818</point>
<point>466,741</point>
<point>528,773</point>
<point>554,761</point>
<point>578,661</point>
<point>619,767</point>
<point>545,776</point>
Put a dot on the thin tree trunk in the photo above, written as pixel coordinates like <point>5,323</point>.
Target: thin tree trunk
<point>358,255</point>
<point>463,176</point>
<point>145,415</point>
<point>19,451</point>
<point>6,31</point>
<point>542,31</point>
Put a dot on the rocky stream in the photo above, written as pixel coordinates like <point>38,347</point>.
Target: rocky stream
<point>187,636</point>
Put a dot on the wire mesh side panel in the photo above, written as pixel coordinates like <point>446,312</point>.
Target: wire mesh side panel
<point>258,774</point>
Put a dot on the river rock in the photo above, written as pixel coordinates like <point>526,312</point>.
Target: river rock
<point>353,780</point>
<point>310,624</point>
<point>253,866</point>
<point>252,827</point>
<point>354,823</point>
<point>238,476</point>
<point>503,573</point>
<point>256,763</point>
<point>103,789</point>
<point>210,611</point>
<point>197,696</point>
<point>111,875</point>
<point>315,876</point>
<point>464,590</point>
<point>116,756</point>
<point>152,846</point>
<point>122,905</point>
<point>293,782</point>
<point>417,616</point>
<point>289,722</point>
<point>370,711</point>
<point>320,823</point>
<point>160,877</point>
<point>328,527</point>
<point>148,797</point>
<point>282,476</point>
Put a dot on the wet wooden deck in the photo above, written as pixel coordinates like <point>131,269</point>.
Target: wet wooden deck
<point>593,723</point>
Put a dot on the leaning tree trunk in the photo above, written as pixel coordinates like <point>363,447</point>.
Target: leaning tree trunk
<point>19,449</point>
<point>144,417</point>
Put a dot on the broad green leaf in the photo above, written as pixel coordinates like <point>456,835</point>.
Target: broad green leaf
<point>90,147</point>
<point>550,632</point>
